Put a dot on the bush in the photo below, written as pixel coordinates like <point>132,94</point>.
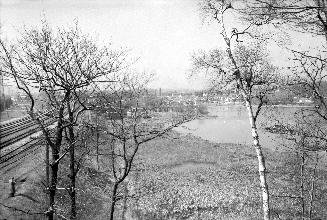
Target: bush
<point>5,103</point>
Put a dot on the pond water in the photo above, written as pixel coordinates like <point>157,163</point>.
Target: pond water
<point>230,124</point>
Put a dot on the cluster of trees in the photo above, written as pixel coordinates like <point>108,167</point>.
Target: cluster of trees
<point>244,64</point>
<point>68,67</point>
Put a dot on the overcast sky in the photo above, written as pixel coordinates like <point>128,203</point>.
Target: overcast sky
<point>163,33</point>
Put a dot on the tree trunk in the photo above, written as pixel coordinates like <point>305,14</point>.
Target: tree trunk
<point>302,179</point>
<point>47,165</point>
<point>53,182</point>
<point>124,212</point>
<point>97,143</point>
<point>72,183</point>
<point>312,190</point>
<point>113,200</point>
<point>261,162</point>
<point>73,171</point>
<point>54,167</point>
<point>254,132</point>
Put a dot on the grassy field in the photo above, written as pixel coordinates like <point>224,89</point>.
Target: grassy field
<point>185,177</point>
<point>190,178</point>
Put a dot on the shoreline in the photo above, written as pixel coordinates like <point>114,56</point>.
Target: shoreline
<point>275,105</point>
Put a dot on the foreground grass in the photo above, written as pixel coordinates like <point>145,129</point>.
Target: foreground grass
<point>185,177</point>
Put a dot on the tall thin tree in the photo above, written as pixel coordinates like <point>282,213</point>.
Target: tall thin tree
<point>247,68</point>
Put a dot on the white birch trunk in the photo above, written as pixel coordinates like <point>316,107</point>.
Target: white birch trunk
<point>255,136</point>
<point>261,163</point>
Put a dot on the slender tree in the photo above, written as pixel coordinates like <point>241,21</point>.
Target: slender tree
<point>244,67</point>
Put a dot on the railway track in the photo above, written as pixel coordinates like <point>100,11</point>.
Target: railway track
<point>10,125</point>
<point>16,131</point>
<point>19,129</point>
<point>19,153</point>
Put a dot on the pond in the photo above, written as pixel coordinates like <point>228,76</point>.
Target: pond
<point>230,124</point>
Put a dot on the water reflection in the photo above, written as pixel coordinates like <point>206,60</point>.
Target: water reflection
<point>230,124</point>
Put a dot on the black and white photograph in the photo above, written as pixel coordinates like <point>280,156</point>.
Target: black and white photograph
<point>163,109</point>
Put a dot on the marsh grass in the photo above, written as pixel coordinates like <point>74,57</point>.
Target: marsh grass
<point>190,178</point>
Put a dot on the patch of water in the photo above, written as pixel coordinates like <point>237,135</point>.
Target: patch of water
<point>230,124</point>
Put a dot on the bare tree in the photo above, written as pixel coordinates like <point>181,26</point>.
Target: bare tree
<point>303,138</point>
<point>310,74</point>
<point>245,68</point>
<point>129,123</point>
<point>63,64</point>
<point>308,16</point>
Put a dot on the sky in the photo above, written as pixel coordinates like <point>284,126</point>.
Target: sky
<point>162,34</point>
